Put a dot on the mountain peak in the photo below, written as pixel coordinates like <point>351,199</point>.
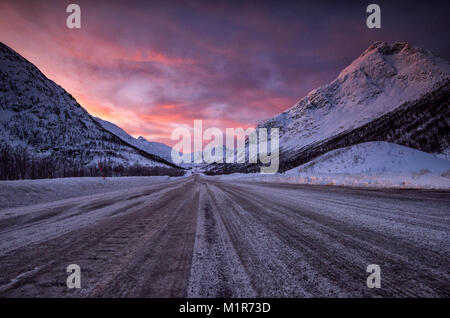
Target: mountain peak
<point>385,48</point>
<point>382,60</point>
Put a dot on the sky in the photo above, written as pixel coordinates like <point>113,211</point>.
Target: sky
<point>152,66</point>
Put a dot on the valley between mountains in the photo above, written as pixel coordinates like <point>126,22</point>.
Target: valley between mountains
<point>364,179</point>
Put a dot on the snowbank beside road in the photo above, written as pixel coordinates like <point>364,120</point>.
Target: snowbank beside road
<point>371,164</point>
<point>26,192</point>
<point>374,157</point>
<point>383,180</point>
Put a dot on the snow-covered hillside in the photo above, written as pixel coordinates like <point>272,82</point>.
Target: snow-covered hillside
<point>27,192</point>
<point>40,116</point>
<point>374,158</point>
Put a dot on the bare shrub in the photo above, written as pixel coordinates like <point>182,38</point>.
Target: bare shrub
<point>446,174</point>
<point>421,172</point>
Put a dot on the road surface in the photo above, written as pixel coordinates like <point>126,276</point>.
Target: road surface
<point>208,237</point>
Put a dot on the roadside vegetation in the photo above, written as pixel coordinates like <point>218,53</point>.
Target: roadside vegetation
<point>17,163</point>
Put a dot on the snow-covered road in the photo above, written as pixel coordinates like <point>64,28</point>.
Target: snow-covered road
<point>201,236</point>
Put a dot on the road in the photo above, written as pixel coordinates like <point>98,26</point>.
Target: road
<point>206,237</point>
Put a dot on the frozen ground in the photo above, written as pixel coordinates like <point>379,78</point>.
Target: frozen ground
<point>26,192</point>
<point>371,164</point>
<point>198,236</point>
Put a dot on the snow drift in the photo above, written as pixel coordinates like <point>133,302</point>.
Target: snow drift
<point>371,164</point>
<point>374,158</point>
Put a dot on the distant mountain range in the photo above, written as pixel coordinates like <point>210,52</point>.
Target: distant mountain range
<point>396,93</point>
<point>156,148</point>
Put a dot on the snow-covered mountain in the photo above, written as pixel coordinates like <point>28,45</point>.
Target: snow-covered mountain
<point>157,148</point>
<point>380,80</point>
<point>397,93</point>
<point>40,116</point>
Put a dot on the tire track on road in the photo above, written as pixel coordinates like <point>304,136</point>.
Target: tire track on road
<point>159,236</point>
